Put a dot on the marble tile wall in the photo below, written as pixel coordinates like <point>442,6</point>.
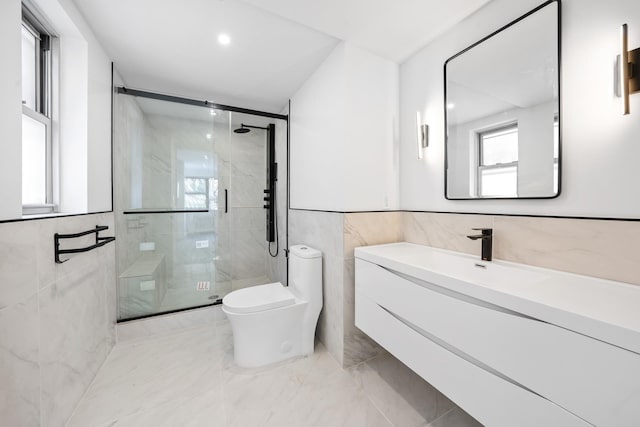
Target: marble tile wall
<point>324,231</point>
<point>602,248</point>
<point>248,180</point>
<point>362,229</point>
<point>57,321</point>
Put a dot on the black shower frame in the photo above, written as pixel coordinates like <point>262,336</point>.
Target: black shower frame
<point>206,104</point>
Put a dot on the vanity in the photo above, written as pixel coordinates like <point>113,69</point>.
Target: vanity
<point>513,345</point>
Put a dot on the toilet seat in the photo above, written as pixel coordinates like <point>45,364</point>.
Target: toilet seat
<point>258,298</point>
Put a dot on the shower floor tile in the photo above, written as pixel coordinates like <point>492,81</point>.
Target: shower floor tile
<point>182,297</point>
<point>189,378</point>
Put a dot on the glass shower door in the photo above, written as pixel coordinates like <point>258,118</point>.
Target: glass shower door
<point>172,175</point>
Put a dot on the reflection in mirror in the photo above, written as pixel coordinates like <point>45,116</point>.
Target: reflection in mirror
<point>502,112</point>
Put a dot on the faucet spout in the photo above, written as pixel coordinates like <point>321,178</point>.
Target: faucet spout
<point>476,236</point>
<point>487,242</point>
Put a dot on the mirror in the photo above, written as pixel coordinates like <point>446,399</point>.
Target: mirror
<point>502,112</point>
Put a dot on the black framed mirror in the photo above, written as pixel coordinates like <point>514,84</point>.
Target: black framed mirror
<point>502,112</point>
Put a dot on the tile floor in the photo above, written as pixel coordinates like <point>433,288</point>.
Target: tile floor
<point>188,378</point>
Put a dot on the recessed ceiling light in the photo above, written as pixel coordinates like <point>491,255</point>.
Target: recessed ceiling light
<point>451,106</point>
<point>224,39</point>
<point>208,136</point>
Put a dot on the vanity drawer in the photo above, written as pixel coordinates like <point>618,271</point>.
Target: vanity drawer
<point>596,381</point>
<point>492,400</point>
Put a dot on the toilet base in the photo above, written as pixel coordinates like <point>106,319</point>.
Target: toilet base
<point>270,336</point>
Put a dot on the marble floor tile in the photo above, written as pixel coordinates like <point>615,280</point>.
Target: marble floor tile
<point>404,397</point>
<point>168,323</point>
<point>455,418</point>
<point>180,298</point>
<point>140,375</point>
<point>329,400</point>
<point>195,411</point>
<point>189,378</point>
<point>74,341</point>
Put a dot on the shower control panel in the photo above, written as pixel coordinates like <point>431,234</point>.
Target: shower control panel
<point>267,198</point>
<point>272,177</point>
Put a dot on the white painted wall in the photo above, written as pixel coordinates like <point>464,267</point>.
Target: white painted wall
<point>10,110</point>
<point>317,137</point>
<point>600,146</point>
<point>343,134</point>
<point>72,122</point>
<point>83,116</point>
<point>98,96</point>
<point>370,150</point>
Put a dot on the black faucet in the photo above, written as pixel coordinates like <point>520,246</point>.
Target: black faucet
<point>487,241</point>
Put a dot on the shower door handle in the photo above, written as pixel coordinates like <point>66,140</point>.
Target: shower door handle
<point>226,200</point>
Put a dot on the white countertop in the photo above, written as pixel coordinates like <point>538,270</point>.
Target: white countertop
<point>602,309</point>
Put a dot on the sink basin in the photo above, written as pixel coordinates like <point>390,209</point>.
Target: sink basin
<point>603,309</point>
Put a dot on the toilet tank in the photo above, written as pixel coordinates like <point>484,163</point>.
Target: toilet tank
<point>305,273</point>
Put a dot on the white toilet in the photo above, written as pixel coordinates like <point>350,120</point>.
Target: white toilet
<point>273,322</point>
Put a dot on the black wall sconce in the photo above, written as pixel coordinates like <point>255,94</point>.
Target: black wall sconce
<point>629,69</point>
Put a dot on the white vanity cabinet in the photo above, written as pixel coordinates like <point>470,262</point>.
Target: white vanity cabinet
<point>493,337</point>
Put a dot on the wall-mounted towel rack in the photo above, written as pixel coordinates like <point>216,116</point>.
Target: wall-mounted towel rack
<point>100,241</point>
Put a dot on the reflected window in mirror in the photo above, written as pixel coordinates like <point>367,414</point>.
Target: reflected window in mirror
<point>502,112</point>
<point>498,161</point>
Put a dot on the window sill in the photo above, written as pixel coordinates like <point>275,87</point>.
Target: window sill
<point>38,210</point>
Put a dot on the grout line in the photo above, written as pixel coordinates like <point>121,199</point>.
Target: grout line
<point>93,380</point>
<point>39,352</point>
<point>362,390</point>
<point>380,355</point>
<point>450,410</point>
<point>373,403</point>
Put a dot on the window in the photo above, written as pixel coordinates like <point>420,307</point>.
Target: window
<point>201,193</point>
<point>36,116</point>
<point>498,162</point>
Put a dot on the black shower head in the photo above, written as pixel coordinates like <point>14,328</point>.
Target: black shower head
<point>247,128</point>
<point>242,129</point>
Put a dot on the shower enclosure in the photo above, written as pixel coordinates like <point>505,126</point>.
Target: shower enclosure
<point>194,201</point>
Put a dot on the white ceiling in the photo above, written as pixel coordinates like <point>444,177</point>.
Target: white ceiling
<point>392,29</point>
<point>171,46</point>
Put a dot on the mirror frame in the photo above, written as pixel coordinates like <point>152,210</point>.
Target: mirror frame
<point>446,132</point>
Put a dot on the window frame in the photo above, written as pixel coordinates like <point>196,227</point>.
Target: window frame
<point>480,166</point>
<point>44,103</point>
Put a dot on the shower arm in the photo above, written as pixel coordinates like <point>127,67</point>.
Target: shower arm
<point>242,125</point>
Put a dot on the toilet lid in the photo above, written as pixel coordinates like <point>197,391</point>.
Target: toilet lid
<point>258,298</point>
